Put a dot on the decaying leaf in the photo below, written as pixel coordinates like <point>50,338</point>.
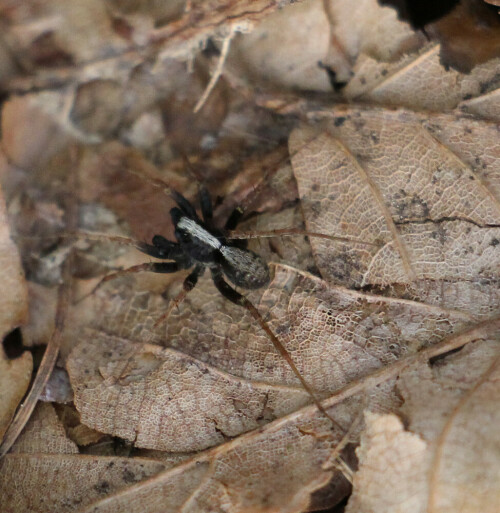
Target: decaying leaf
<point>448,460</point>
<point>66,482</point>
<point>44,433</point>
<point>409,179</point>
<point>427,189</point>
<point>241,475</point>
<point>15,373</point>
<point>333,335</point>
<point>281,51</point>
<point>15,379</point>
<point>43,454</point>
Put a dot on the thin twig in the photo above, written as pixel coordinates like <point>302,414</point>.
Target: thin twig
<point>51,353</point>
<point>217,72</point>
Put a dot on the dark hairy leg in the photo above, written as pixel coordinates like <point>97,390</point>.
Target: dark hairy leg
<point>185,206</point>
<point>206,205</point>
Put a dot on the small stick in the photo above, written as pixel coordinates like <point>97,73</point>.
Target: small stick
<point>47,364</point>
<point>218,70</point>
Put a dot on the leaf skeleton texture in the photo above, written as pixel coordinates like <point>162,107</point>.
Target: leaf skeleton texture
<point>427,188</point>
<point>334,335</point>
<point>63,482</point>
<point>106,96</point>
<point>239,475</point>
<point>44,433</point>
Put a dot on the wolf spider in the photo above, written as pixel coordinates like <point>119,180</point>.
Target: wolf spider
<point>200,245</point>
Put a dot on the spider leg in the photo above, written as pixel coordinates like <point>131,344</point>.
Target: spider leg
<point>206,205</point>
<point>187,286</point>
<point>234,219</point>
<point>154,267</point>
<point>238,299</point>
<point>185,206</point>
<point>231,223</point>
<point>161,248</point>
<point>289,232</point>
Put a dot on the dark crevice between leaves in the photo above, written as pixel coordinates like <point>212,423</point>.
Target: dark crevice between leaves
<point>446,219</point>
<point>436,359</point>
<point>337,85</point>
<point>13,344</point>
<point>420,13</point>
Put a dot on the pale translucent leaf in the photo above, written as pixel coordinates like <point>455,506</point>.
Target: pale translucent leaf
<point>448,460</point>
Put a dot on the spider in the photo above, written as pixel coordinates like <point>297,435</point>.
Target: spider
<point>200,245</point>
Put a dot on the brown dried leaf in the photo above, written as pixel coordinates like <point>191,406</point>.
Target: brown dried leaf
<point>241,475</point>
<point>426,189</point>
<point>207,388</point>
<point>378,58</point>
<point>64,483</point>
<point>44,433</point>
<point>419,81</point>
<point>281,52</point>
<point>42,310</point>
<point>275,468</point>
<point>31,119</point>
<point>391,458</point>
<point>219,375</point>
<point>453,464</point>
<point>15,374</point>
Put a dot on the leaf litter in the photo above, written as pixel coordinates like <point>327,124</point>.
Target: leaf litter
<point>424,187</point>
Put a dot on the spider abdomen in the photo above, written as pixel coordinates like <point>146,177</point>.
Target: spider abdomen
<point>243,267</point>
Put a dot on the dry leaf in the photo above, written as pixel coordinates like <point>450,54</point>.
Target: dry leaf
<point>44,433</point>
<point>15,374</point>
<point>418,81</point>
<point>224,389</point>
<point>282,52</point>
<point>449,460</point>
<point>389,456</point>
<point>423,189</point>
<point>240,475</point>
<point>15,379</point>
<point>42,309</point>
<point>63,482</point>
<point>426,189</point>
